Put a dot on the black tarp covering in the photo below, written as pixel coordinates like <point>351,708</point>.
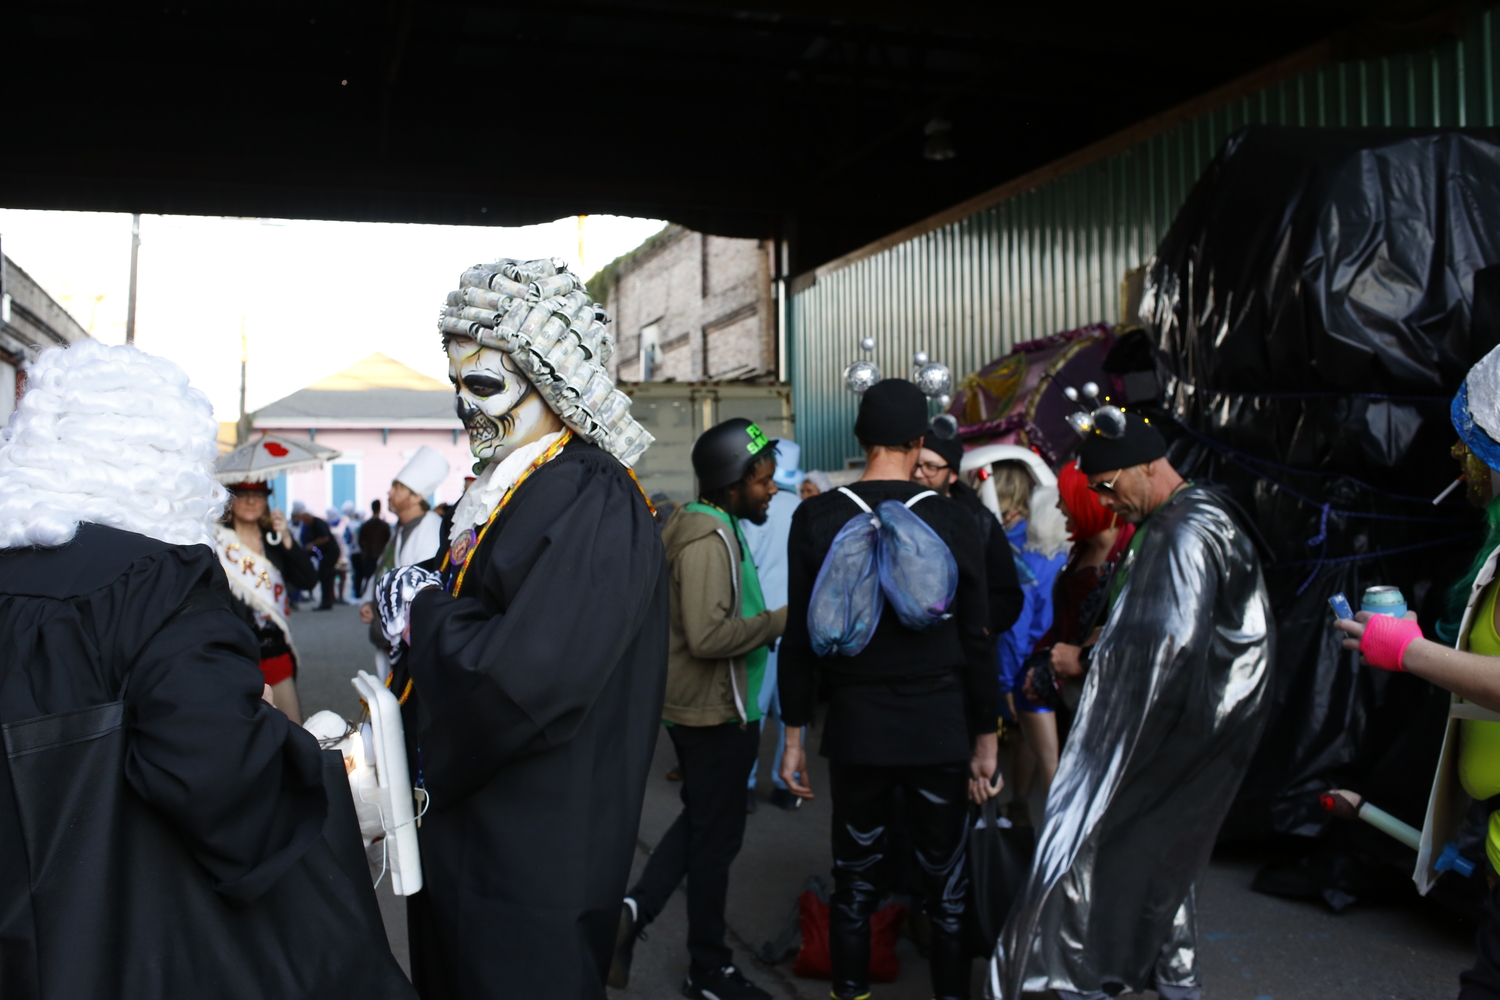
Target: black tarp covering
<point>1312,306</point>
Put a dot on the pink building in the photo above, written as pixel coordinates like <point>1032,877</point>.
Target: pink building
<point>377,413</point>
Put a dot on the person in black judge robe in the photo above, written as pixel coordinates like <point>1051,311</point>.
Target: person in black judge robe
<point>532,725</point>
<point>536,673</point>
<point>164,832</point>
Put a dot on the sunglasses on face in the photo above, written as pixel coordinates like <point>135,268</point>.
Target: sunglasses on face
<point>1107,489</point>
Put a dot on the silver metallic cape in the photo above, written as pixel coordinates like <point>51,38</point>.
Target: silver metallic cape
<point>1169,718</point>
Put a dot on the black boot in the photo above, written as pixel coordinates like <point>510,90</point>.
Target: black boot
<point>849,941</point>
<point>949,959</point>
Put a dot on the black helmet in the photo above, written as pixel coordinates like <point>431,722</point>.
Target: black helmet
<point>725,452</point>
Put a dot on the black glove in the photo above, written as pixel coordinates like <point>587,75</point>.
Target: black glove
<point>1043,680</point>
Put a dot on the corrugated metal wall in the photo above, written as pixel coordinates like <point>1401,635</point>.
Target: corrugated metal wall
<point>1053,258</point>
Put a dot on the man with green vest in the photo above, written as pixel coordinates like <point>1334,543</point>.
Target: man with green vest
<point>720,631</point>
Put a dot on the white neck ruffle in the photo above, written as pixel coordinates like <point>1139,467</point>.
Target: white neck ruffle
<point>485,493</point>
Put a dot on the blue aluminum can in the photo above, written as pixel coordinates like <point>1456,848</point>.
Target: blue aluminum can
<point>1384,601</point>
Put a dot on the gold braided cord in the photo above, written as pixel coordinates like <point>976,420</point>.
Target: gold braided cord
<point>541,460</point>
<point>649,505</point>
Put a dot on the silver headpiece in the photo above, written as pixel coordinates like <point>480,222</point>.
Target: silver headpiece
<point>540,313</point>
<point>1096,416</point>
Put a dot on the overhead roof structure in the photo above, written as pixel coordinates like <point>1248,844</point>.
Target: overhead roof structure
<point>804,120</point>
<point>377,392</point>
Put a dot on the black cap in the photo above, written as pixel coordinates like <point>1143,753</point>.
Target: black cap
<point>724,453</point>
<point>1140,445</point>
<point>893,411</point>
<point>950,448</point>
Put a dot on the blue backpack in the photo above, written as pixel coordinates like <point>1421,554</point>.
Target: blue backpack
<point>888,554</point>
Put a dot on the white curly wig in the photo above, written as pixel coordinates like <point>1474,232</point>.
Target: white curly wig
<point>112,436</point>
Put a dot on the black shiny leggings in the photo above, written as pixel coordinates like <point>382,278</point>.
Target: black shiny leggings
<point>937,815</point>
<point>1482,982</point>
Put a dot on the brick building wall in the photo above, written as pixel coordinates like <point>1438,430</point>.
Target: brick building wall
<point>700,305</point>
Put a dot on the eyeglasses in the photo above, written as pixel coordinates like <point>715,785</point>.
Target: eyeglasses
<point>931,468</point>
<point>1109,487</point>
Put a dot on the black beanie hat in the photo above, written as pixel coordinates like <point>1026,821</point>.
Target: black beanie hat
<point>893,411</point>
<point>951,449</point>
<point>1141,444</point>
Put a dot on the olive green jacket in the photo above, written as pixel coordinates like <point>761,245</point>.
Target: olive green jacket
<point>706,681</point>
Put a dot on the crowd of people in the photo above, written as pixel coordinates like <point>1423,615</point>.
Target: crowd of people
<point>1106,619</point>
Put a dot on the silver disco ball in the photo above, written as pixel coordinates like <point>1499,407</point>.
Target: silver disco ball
<point>920,358</point>
<point>1109,421</point>
<point>944,401</point>
<point>867,344</point>
<point>1081,422</point>
<point>860,375</point>
<point>934,380</point>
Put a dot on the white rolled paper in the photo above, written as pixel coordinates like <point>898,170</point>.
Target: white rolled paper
<point>388,741</point>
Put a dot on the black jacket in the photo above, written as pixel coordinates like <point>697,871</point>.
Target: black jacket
<point>294,563</point>
<point>946,676</point>
<point>374,536</point>
<point>534,716</point>
<point>232,785</point>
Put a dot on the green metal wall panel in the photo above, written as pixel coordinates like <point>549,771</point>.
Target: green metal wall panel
<point>1053,258</point>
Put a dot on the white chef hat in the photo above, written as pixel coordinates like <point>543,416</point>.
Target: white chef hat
<point>425,472</point>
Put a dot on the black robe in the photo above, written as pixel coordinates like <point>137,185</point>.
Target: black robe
<point>233,836</point>
<point>537,697</point>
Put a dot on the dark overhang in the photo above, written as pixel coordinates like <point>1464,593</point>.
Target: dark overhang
<point>802,120</point>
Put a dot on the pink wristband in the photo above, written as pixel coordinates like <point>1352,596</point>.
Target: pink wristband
<point>1385,640</point>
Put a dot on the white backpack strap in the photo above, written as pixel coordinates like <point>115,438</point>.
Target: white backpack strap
<point>920,496</point>
<point>855,497</point>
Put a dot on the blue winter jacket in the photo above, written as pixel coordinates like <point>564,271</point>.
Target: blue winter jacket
<point>1036,612</point>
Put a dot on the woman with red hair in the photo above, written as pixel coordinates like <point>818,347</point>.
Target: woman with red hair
<point>1099,539</point>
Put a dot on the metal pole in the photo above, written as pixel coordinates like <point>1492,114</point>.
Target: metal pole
<point>779,250</point>
<point>242,429</point>
<point>135,252</point>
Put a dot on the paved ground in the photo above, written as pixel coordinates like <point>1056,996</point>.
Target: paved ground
<point>1253,947</point>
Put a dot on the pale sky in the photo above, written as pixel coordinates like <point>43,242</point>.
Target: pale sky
<point>313,297</point>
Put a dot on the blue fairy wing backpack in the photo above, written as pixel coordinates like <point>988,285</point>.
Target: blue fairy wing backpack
<point>846,599</point>
<point>885,554</point>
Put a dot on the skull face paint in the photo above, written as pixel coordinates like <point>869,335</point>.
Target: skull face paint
<point>498,405</point>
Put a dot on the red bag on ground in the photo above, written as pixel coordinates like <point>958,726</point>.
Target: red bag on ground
<point>813,961</point>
